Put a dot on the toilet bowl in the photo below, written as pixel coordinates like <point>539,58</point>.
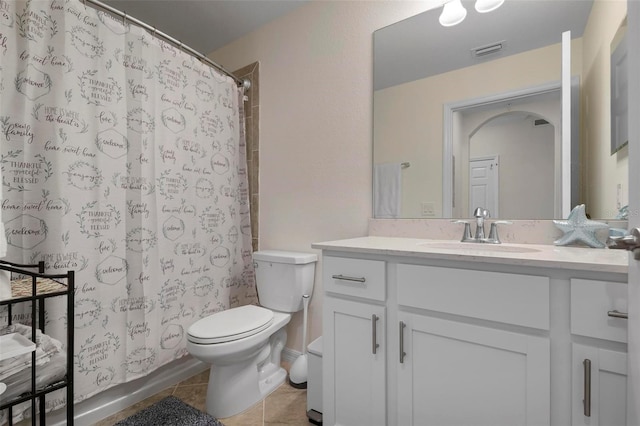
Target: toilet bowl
<point>245,367</point>
<point>243,345</point>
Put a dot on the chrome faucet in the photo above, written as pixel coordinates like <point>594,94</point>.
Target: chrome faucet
<point>480,214</point>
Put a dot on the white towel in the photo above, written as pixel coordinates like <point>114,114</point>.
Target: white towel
<point>387,185</point>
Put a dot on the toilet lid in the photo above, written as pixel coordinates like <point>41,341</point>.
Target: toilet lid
<point>232,324</point>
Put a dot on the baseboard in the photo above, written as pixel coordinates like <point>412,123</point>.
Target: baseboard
<point>290,355</point>
<point>117,398</point>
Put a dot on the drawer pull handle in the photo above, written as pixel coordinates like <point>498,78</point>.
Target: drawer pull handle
<point>616,314</point>
<point>402,352</point>
<point>347,278</point>
<point>587,387</point>
<point>374,334</point>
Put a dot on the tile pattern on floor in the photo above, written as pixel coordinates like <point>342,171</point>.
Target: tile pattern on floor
<point>285,406</point>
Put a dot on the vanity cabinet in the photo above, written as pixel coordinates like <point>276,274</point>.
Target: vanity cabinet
<point>599,386</point>
<point>356,357</point>
<point>599,364</point>
<point>454,371</point>
<point>433,339</point>
<point>354,353</point>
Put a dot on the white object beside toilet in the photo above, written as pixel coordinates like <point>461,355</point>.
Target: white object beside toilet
<point>243,345</point>
<point>314,382</point>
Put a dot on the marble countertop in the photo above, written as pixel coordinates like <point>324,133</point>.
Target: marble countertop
<point>537,255</point>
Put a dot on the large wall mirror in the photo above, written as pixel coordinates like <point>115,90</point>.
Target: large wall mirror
<point>470,115</point>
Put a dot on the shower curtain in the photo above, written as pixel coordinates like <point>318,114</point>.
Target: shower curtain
<point>122,159</point>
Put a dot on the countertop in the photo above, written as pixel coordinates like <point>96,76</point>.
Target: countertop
<point>536,255</point>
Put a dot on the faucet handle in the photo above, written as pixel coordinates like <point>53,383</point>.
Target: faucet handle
<point>480,212</point>
<point>466,234</point>
<point>493,232</point>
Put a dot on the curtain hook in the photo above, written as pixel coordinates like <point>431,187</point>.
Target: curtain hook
<point>181,44</point>
<point>154,31</point>
<point>124,19</point>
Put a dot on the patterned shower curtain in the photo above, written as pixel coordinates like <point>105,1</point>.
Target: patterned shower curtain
<point>123,159</point>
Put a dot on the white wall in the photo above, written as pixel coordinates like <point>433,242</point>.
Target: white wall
<point>315,125</point>
<point>601,171</point>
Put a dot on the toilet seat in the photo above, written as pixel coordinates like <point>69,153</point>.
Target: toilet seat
<point>229,325</point>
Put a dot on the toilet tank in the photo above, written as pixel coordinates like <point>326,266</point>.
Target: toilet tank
<point>283,277</point>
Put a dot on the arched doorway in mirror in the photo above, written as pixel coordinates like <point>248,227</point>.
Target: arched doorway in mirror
<point>511,165</point>
<point>463,119</point>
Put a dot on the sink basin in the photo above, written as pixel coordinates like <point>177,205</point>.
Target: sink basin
<point>488,248</point>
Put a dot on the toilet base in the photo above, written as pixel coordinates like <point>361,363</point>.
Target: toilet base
<point>232,403</point>
<point>272,382</point>
<point>237,387</point>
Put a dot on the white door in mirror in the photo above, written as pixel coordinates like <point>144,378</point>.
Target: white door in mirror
<point>484,184</point>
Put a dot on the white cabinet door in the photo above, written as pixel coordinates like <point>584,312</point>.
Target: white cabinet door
<point>353,363</point>
<point>599,394</point>
<point>461,374</point>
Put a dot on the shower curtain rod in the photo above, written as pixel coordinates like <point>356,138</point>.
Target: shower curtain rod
<point>242,83</point>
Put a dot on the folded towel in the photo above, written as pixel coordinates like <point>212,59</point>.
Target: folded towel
<point>387,185</point>
<point>46,347</point>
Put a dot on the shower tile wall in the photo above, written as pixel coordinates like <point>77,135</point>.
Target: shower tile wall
<point>252,116</point>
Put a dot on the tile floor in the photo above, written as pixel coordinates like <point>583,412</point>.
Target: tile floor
<point>285,406</point>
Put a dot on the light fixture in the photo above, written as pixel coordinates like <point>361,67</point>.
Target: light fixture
<point>484,6</point>
<point>453,13</point>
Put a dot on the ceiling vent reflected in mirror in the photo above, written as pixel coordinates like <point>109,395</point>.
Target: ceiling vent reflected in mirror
<point>488,49</point>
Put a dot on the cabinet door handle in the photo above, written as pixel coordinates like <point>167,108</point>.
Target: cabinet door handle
<point>616,314</point>
<point>374,333</point>
<point>587,387</point>
<point>402,352</point>
<point>348,278</point>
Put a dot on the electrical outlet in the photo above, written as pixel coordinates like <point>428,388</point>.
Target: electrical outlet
<point>619,196</point>
<point>428,209</point>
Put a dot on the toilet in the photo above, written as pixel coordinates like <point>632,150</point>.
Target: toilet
<point>243,345</point>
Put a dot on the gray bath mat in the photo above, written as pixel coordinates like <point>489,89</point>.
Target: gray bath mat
<point>170,411</point>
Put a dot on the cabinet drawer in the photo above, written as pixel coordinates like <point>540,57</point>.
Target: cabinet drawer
<point>593,303</point>
<point>354,277</point>
<point>507,298</point>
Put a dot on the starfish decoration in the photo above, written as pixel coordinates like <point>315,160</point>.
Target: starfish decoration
<point>577,228</point>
